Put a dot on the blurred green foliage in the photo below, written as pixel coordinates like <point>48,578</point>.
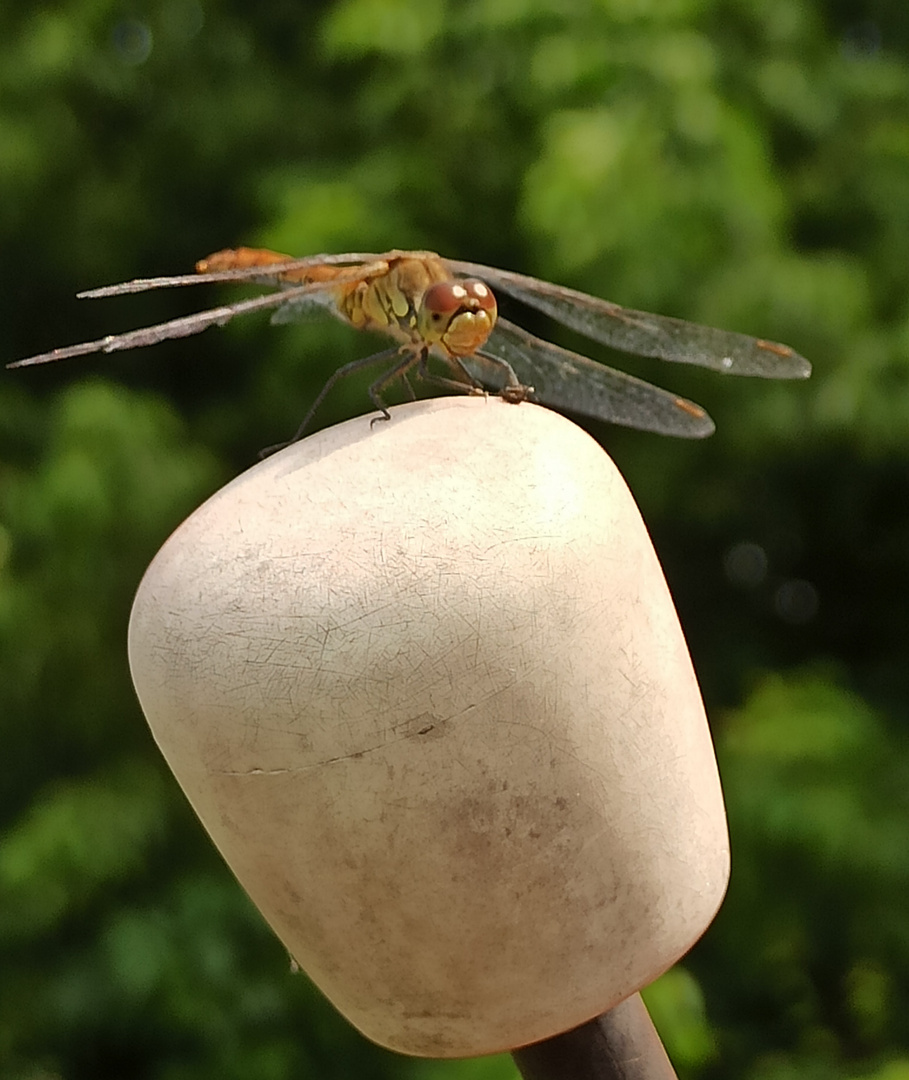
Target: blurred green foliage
<point>743,163</point>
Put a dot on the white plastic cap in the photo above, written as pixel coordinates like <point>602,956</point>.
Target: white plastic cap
<point>424,685</point>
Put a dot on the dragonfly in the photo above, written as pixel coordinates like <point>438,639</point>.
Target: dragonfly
<point>447,309</point>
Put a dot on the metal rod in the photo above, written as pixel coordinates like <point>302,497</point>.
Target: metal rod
<point>622,1044</point>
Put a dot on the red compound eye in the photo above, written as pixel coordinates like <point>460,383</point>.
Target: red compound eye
<point>479,294</point>
<point>443,300</point>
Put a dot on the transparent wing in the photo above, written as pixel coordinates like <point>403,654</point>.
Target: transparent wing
<point>644,334</point>
<point>299,295</point>
<point>260,274</point>
<point>300,300</point>
<point>567,380</point>
<point>304,307</point>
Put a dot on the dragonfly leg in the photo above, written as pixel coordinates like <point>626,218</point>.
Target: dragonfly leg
<point>336,376</point>
<point>399,371</point>
<point>516,394</point>
<point>512,389</point>
<point>406,383</point>
<point>469,385</point>
<point>453,384</point>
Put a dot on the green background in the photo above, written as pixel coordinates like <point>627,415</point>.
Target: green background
<point>743,163</point>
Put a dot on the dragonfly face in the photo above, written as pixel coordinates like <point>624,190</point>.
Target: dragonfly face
<point>448,308</point>
<point>459,316</point>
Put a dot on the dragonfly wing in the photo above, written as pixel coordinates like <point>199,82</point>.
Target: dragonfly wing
<point>567,380</point>
<point>261,274</point>
<point>302,308</point>
<point>643,334</point>
<point>185,326</point>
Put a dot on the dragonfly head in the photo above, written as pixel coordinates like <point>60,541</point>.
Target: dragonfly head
<point>458,316</point>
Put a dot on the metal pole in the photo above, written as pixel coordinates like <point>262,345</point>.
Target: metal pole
<point>622,1044</point>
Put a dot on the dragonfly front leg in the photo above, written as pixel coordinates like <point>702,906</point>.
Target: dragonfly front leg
<point>419,359</point>
<point>469,385</point>
<point>516,393</point>
<point>512,389</point>
<point>399,371</point>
